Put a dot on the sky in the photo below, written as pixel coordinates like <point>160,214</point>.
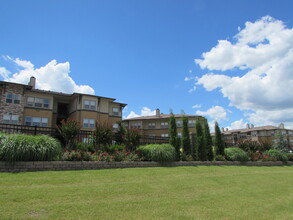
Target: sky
<point>230,61</point>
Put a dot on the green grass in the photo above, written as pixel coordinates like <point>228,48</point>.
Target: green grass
<point>225,192</point>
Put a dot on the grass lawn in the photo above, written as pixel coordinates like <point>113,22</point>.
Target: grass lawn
<point>225,192</point>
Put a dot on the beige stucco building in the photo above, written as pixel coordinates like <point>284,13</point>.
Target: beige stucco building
<point>158,125</point>
<point>24,105</point>
<point>263,134</point>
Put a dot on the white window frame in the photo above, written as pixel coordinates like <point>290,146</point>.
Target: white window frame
<point>90,104</point>
<point>38,102</point>
<point>10,119</point>
<point>88,123</point>
<point>179,123</point>
<point>36,121</point>
<point>115,125</point>
<point>15,98</point>
<point>152,125</point>
<point>179,134</point>
<point>136,125</point>
<point>115,111</point>
<point>164,135</point>
<point>191,122</point>
<point>164,125</point>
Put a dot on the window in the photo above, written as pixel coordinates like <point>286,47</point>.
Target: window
<point>38,102</point>
<point>152,125</point>
<point>36,121</point>
<point>115,111</point>
<point>88,123</point>
<point>179,123</point>
<point>151,135</point>
<point>164,135</point>
<point>191,123</point>
<point>90,105</point>
<point>10,119</point>
<point>164,124</point>
<point>115,125</point>
<point>179,135</point>
<point>12,98</point>
<point>136,125</point>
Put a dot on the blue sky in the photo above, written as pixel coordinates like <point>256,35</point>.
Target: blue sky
<point>143,53</point>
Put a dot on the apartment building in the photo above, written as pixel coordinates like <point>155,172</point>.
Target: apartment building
<point>158,124</point>
<point>25,105</point>
<point>263,134</point>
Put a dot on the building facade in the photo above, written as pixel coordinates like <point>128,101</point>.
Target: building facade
<point>263,134</point>
<point>24,105</point>
<point>158,125</point>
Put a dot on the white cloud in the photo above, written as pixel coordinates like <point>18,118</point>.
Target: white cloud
<point>53,76</point>
<point>217,113</point>
<point>193,89</point>
<point>263,56</point>
<point>197,106</point>
<point>4,72</point>
<point>145,111</point>
<point>237,124</point>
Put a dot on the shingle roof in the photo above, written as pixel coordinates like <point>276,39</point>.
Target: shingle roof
<point>161,116</point>
<point>244,130</point>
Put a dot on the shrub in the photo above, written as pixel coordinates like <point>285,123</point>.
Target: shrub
<point>235,154</point>
<point>20,147</point>
<point>85,147</point>
<point>253,146</point>
<point>185,157</point>
<point>76,155</point>
<point>116,147</point>
<point>276,154</point>
<point>290,156</point>
<point>132,138</point>
<point>103,135</point>
<point>158,152</point>
<point>69,130</point>
<point>220,158</point>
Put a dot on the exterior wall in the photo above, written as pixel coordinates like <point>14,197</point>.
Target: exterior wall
<point>104,105</point>
<point>11,108</point>
<point>158,130</point>
<point>39,113</point>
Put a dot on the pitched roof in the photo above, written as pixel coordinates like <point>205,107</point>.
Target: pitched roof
<point>244,130</point>
<point>162,116</point>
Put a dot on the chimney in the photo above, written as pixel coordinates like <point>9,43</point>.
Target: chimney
<point>281,126</point>
<point>252,126</point>
<point>223,129</point>
<point>247,126</point>
<point>227,129</point>
<point>157,112</point>
<point>32,82</point>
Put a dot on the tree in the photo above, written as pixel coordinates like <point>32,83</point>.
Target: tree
<point>280,142</point>
<point>132,138</point>
<point>219,144</point>
<point>103,135</point>
<point>120,133</point>
<point>200,142</point>
<point>185,140</point>
<point>173,136</point>
<point>208,141</point>
<point>69,130</point>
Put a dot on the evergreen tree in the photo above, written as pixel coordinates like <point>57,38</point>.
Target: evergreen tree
<point>185,140</point>
<point>200,142</point>
<point>208,141</point>
<point>194,150</point>
<point>219,144</point>
<point>173,136</point>
<point>280,143</point>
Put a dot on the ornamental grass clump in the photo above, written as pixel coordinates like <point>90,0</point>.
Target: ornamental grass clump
<point>236,154</point>
<point>20,147</point>
<point>158,152</point>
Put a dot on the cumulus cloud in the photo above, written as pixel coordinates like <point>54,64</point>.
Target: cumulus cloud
<point>145,111</point>
<point>53,76</point>
<point>261,58</point>
<point>237,124</point>
<point>217,113</point>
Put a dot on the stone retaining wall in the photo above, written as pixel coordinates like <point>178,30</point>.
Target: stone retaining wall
<point>96,165</point>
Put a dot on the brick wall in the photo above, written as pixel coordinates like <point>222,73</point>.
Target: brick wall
<point>96,165</point>
<point>11,108</point>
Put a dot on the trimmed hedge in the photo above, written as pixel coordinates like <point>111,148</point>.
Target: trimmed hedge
<point>236,154</point>
<point>20,147</point>
<point>158,152</point>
